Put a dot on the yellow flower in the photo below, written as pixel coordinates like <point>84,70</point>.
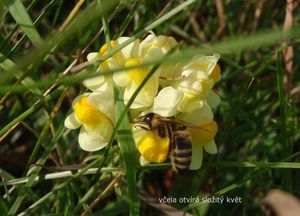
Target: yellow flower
<point>154,149</point>
<point>116,59</point>
<point>199,77</point>
<point>150,49</point>
<point>162,42</point>
<point>134,55</point>
<point>165,44</point>
<point>94,113</point>
<point>134,78</point>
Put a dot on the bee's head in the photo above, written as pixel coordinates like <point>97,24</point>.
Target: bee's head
<point>144,122</point>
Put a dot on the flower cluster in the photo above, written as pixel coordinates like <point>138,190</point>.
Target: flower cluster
<point>182,90</point>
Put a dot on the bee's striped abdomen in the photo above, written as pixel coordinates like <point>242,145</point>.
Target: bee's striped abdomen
<point>181,154</point>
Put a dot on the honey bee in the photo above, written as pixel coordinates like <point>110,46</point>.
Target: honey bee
<point>180,144</point>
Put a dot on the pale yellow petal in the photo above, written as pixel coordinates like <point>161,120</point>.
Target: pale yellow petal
<point>204,64</point>
<point>197,157</point>
<point>166,102</point>
<point>103,99</point>
<point>131,50</point>
<point>71,122</point>
<point>113,62</point>
<point>153,54</point>
<point>92,57</point>
<point>198,86</point>
<point>94,83</point>
<point>198,116</point>
<point>91,142</point>
<point>146,44</point>
<point>145,97</point>
<point>170,71</point>
<point>138,74</point>
<point>204,133</point>
<point>121,79</point>
<point>215,75</point>
<point>103,131</point>
<point>213,99</point>
<point>190,102</point>
<point>166,43</point>
<point>95,122</point>
<point>211,147</point>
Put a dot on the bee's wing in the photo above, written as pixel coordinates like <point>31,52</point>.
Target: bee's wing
<point>173,120</point>
<point>177,121</point>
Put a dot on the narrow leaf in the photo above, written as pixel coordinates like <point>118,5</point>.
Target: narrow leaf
<point>9,66</point>
<point>127,147</point>
<point>19,13</point>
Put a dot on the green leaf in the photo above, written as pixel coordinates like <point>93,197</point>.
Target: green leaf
<point>127,147</point>
<point>8,65</point>
<point>19,13</point>
<point>35,106</point>
<point>3,207</point>
<point>284,139</point>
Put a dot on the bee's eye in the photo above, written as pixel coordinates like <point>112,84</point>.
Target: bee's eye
<point>148,117</point>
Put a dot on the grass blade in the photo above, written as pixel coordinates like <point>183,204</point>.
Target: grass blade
<point>20,15</point>
<point>37,105</point>
<point>284,139</point>
<point>127,147</point>
<point>10,66</point>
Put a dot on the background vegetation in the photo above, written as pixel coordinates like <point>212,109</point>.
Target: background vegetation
<point>43,48</point>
